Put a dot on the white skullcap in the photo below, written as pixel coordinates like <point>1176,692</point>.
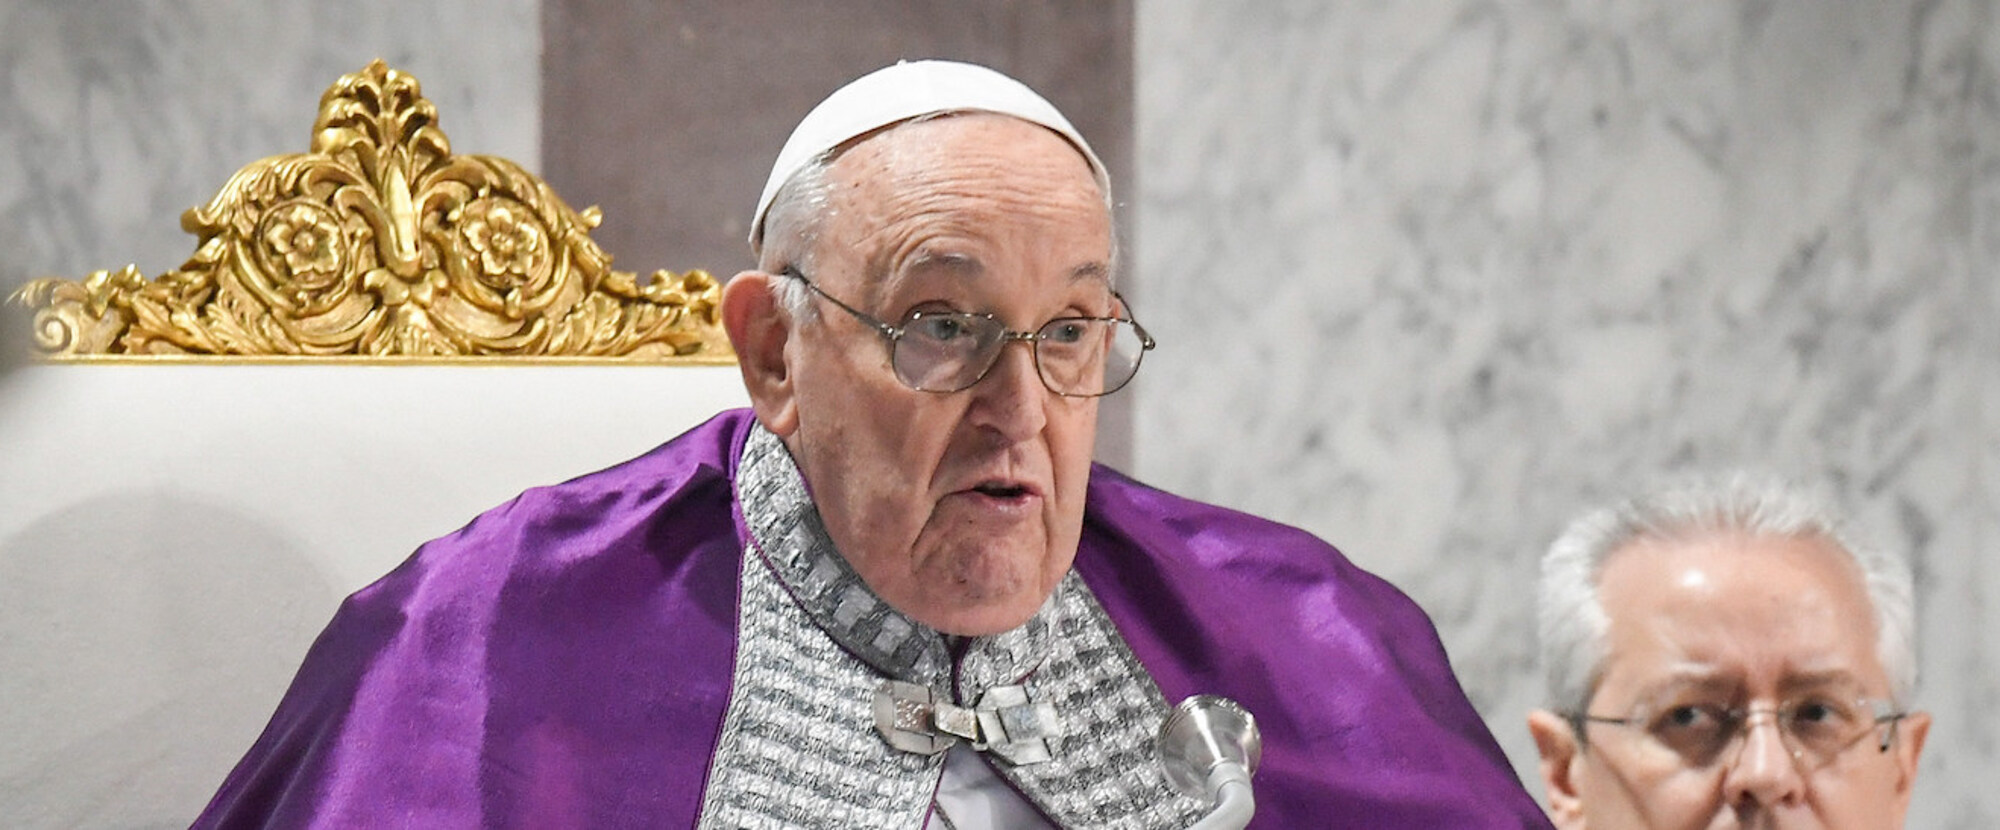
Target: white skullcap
<point>899,93</point>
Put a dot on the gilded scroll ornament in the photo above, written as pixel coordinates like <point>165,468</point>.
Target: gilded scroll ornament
<point>382,243</point>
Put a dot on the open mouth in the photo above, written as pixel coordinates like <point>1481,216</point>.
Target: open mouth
<point>1001,490</point>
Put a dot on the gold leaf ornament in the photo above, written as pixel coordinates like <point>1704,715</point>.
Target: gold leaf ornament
<point>380,243</point>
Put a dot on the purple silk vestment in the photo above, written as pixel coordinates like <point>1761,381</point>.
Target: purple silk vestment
<point>565,660</point>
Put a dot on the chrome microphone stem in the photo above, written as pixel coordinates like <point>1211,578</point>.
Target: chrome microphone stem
<point>1234,801</point>
<point>1209,748</point>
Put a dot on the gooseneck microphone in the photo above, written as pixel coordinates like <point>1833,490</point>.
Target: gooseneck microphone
<point>1210,748</point>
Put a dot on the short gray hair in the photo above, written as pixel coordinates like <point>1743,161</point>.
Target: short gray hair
<point>1572,622</point>
<point>792,227</point>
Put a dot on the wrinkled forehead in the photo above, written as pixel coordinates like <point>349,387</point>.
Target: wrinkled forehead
<point>962,196</point>
<point>903,93</point>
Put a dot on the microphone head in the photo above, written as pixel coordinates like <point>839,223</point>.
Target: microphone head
<point>1202,733</point>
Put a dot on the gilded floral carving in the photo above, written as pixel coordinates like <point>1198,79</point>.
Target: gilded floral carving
<point>508,245</point>
<point>381,242</point>
<point>303,249</point>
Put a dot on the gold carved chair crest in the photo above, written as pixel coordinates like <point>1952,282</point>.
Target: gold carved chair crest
<point>381,243</point>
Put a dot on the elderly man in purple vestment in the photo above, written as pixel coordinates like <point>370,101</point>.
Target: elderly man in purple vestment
<point>896,593</point>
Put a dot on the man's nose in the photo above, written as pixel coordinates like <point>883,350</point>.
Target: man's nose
<point>1765,771</point>
<point>1011,399</point>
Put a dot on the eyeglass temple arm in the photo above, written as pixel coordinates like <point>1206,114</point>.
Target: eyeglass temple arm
<point>1146,342</point>
<point>1894,719</point>
<point>887,330</point>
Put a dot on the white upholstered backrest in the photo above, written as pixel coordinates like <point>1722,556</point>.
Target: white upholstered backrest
<point>172,536</point>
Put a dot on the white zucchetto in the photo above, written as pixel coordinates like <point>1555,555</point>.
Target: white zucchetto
<point>899,93</point>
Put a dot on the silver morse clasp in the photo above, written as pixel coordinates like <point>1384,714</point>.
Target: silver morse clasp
<point>1005,722</point>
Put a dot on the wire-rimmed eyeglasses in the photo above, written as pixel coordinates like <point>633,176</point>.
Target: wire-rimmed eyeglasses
<point>949,351</point>
<point>1815,729</point>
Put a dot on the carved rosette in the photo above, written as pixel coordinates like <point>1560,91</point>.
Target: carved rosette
<point>380,242</point>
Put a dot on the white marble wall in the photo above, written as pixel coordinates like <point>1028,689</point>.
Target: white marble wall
<point>116,115</point>
<point>1431,277</point>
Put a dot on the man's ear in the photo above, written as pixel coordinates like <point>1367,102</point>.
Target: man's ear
<point>759,328</point>
<point>1909,747</point>
<point>1562,758</point>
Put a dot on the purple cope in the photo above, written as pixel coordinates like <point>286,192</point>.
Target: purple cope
<point>565,660</point>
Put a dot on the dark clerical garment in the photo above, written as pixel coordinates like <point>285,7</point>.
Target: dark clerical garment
<point>674,642</point>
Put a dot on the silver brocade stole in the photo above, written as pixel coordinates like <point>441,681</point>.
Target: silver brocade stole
<point>799,745</point>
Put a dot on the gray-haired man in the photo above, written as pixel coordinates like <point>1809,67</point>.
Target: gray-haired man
<point>1721,656</point>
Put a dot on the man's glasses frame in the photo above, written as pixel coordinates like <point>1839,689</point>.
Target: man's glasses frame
<point>997,336</point>
<point>1734,724</point>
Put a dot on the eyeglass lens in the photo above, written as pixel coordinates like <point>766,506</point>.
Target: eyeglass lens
<point>1075,356</point>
